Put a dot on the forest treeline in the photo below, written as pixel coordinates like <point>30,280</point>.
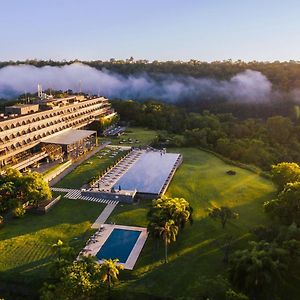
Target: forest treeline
<point>261,142</point>
<point>285,76</point>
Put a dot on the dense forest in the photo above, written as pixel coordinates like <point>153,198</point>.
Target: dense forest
<point>285,76</point>
<point>259,133</point>
<point>261,142</point>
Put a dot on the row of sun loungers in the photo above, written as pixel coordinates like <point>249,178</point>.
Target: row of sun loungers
<point>107,181</point>
<point>92,240</point>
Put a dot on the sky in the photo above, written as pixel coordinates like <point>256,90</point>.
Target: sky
<point>207,30</point>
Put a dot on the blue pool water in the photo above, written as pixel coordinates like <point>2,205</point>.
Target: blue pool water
<point>118,245</point>
<point>149,173</point>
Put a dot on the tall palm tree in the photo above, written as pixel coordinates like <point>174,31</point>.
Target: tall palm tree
<point>153,230</point>
<point>110,271</point>
<point>168,232</point>
<point>177,209</point>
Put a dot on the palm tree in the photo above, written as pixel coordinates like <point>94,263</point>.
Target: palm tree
<point>181,211</point>
<point>168,232</point>
<point>110,271</point>
<point>177,209</point>
<point>153,230</point>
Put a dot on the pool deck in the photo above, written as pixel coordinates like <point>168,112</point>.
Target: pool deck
<point>100,237</point>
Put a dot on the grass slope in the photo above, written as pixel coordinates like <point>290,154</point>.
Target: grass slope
<point>25,244</point>
<point>203,181</point>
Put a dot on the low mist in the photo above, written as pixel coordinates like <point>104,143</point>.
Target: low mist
<point>248,86</point>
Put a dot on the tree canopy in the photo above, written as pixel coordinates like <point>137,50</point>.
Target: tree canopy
<point>17,189</point>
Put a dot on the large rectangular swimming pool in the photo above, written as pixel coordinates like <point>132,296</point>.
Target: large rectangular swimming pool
<point>119,244</point>
<point>149,173</point>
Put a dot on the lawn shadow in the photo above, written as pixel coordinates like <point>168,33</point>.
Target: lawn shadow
<point>67,211</point>
<point>196,249</point>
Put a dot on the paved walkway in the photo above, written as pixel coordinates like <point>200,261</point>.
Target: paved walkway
<point>111,177</point>
<point>76,194</point>
<point>104,215</point>
<point>77,163</point>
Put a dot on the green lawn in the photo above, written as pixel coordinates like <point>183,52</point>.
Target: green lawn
<point>93,166</point>
<point>144,137</point>
<point>203,181</point>
<point>88,169</point>
<point>25,244</point>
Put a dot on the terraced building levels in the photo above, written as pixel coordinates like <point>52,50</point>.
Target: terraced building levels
<point>21,135</point>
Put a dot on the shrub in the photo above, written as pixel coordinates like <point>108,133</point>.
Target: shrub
<point>19,212</point>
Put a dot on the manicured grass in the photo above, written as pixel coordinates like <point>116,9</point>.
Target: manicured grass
<point>93,166</point>
<point>88,169</point>
<point>25,244</point>
<point>144,137</point>
<point>203,181</point>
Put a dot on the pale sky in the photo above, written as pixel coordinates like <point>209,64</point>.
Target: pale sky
<point>158,29</point>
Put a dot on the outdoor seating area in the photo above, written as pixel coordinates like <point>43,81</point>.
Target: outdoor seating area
<point>111,153</point>
<point>93,243</point>
<point>107,181</point>
<point>113,131</point>
<point>129,141</point>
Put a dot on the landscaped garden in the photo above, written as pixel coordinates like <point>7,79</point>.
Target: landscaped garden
<point>202,179</point>
<point>90,168</point>
<point>25,243</point>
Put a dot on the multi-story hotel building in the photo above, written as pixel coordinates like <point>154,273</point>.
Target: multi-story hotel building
<point>29,133</point>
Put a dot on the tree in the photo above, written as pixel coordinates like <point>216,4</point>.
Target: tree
<point>279,129</point>
<point>177,209</point>
<point>109,271</point>
<point>284,173</point>
<point>232,295</point>
<point>258,270</point>
<point>286,207</point>
<point>74,280</point>
<point>225,245</point>
<point>35,188</point>
<point>168,232</point>
<point>153,230</point>
<point>17,189</point>
<point>19,211</point>
<point>223,213</point>
<point>6,195</point>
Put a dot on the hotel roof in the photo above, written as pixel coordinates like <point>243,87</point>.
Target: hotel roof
<point>68,137</point>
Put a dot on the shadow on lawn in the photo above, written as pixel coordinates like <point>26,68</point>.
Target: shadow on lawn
<point>196,253</point>
<point>25,281</point>
<point>67,211</point>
